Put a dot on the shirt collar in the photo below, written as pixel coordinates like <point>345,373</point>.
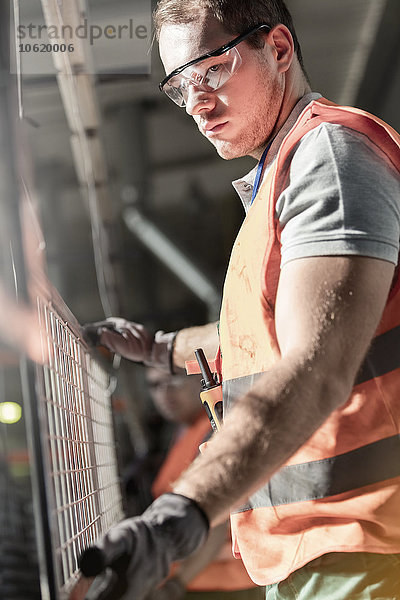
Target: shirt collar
<point>244,185</point>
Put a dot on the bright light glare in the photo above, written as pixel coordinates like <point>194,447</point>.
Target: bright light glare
<point>10,412</point>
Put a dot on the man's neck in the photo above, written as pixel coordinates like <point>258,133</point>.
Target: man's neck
<point>290,99</point>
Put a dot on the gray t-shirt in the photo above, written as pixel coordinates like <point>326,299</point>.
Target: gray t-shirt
<point>341,197</point>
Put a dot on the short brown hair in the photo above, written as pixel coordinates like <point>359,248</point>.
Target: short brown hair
<point>237,16</point>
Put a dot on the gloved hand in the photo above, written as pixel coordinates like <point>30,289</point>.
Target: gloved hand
<point>133,341</point>
<point>135,555</point>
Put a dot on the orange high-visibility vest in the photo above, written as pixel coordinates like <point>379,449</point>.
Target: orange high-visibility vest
<point>340,491</point>
<point>224,573</point>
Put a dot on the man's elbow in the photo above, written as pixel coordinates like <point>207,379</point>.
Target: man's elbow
<point>334,383</point>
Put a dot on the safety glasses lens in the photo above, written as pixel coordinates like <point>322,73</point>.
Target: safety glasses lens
<point>174,93</point>
<point>207,75</point>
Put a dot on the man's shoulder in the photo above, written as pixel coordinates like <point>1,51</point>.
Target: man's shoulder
<point>335,135</point>
<point>346,129</point>
<point>334,142</point>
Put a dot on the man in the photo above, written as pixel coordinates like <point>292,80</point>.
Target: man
<point>307,458</point>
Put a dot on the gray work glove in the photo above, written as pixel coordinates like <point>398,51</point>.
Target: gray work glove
<point>136,555</point>
<point>132,341</point>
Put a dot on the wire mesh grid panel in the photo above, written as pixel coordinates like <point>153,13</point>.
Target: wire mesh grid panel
<point>107,480</point>
<point>83,487</point>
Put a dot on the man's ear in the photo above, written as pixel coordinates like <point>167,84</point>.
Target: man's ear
<point>281,41</point>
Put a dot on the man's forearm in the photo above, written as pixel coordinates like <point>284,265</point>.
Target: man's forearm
<point>188,340</point>
<point>262,431</point>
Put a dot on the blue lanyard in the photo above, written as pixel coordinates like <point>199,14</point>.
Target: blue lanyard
<point>259,171</point>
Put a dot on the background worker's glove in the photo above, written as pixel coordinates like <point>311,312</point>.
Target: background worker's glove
<point>136,555</point>
<point>133,341</point>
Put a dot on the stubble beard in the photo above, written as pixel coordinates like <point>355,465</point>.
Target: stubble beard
<point>258,128</point>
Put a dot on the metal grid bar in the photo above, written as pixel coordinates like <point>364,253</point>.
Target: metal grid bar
<point>83,485</point>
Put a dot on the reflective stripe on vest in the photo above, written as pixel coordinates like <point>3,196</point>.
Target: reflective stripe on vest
<point>332,476</point>
<point>383,356</point>
<point>341,490</point>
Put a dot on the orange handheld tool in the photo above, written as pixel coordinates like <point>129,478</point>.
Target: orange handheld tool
<point>211,394</point>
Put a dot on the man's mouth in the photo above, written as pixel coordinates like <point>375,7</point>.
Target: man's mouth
<point>211,129</point>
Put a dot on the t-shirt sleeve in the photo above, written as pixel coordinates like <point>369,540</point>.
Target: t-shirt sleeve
<point>341,196</point>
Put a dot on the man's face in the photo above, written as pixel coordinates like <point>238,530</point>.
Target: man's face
<point>175,397</point>
<point>239,117</point>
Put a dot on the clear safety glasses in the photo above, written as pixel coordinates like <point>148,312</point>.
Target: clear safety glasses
<point>208,73</point>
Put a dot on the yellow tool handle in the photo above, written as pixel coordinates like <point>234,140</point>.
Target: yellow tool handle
<point>212,400</point>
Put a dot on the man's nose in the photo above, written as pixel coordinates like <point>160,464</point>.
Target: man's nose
<point>198,100</point>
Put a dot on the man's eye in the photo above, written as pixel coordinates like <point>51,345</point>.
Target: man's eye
<point>215,68</point>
